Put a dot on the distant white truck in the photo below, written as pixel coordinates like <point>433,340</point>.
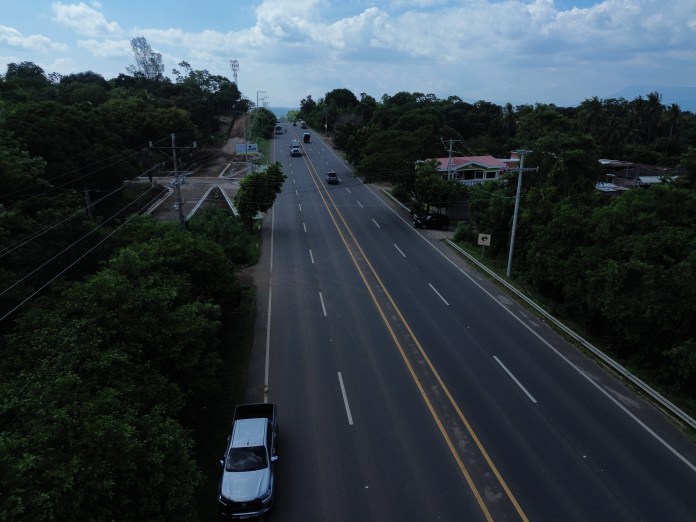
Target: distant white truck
<point>295,148</point>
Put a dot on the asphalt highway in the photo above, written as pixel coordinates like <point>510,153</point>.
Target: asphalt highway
<point>409,387</point>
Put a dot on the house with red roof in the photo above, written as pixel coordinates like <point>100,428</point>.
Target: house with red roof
<point>474,170</point>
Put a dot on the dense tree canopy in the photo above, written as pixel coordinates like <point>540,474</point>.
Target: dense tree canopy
<point>111,326</point>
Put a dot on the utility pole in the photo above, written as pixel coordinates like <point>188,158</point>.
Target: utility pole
<point>178,180</point>
<point>255,114</point>
<point>520,170</point>
<point>88,202</point>
<point>449,160</point>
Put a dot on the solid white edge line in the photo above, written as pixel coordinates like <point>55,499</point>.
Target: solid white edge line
<point>345,399</point>
<point>268,320</point>
<point>518,383</point>
<point>400,252</point>
<point>438,294</point>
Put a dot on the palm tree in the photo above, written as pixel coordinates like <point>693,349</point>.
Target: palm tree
<point>637,117</point>
<point>509,121</point>
<point>632,127</point>
<point>591,115</point>
<point>654,109</point>
<point>671,116</point>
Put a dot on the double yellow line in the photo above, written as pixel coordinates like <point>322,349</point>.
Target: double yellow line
<point>334,213</point>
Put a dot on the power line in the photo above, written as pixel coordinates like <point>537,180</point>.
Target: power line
<point>8,250</point>
<point>56,187</point>
<point>65,250</point>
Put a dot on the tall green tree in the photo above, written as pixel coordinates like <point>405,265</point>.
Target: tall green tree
<point>148,63</point>
<point>430,189</point>
<point>263,121</point>
<point>257,192</point>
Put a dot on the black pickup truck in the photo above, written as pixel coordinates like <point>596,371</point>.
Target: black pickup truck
<point>246,484</point>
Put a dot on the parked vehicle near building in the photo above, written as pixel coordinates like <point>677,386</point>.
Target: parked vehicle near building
<point>431,220</point>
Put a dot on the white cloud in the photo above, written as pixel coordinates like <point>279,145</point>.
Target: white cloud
<point>35,42</point>
<point>496,50</point>
<point>62,66</point>
<point>107,48</point>
<point>84,19</point>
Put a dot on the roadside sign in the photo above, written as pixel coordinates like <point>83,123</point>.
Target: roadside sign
<point>246,148</point>
<point>484,239</point>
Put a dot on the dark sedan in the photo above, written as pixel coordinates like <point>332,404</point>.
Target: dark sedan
<point>431,220</point>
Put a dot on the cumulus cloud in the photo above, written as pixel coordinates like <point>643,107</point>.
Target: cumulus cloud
<point>35,42</point>
<point>532,49</point>
<point>107,48</point>
<point>84,19</point>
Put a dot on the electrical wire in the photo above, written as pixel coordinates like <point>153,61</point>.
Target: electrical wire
<point>72,181</point>
<point>65,250</point>
<point>9,249</point>
<point>46,229</point>
<point>58,350</point>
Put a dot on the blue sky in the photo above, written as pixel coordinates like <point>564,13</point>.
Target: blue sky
<point>518,51</point>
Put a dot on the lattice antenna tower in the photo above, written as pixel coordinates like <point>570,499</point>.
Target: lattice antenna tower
<point>235,69</point>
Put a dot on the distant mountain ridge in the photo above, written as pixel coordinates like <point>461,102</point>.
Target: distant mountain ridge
<point>282,111</point>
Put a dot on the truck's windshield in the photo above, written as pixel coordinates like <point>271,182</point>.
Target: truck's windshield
<point>246,459</point>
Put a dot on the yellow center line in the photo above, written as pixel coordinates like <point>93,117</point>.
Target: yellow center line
<point>331,208</point>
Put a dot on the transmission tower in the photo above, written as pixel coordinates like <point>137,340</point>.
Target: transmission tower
<point>235,68</point>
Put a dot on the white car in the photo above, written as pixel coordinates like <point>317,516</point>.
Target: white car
<point>246,485</point>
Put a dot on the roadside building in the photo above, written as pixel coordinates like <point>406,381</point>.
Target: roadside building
<point>474,170</point>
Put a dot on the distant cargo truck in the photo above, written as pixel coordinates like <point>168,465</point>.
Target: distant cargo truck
<point>278,129</point>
